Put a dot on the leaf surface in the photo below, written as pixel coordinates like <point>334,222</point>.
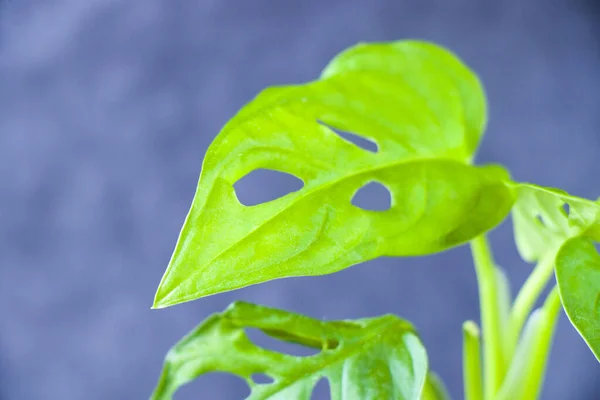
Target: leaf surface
<point>578,276</point>
<point>425,111</point>
<point>375,358</point>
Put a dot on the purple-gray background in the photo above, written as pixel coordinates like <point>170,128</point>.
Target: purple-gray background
<point>107,107</point>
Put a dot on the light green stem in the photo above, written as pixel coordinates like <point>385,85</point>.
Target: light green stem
<point>542,346</point>
<point>527,297</point>
<point>525,376</point>
<point>472,361</point>
<point>494,363</point>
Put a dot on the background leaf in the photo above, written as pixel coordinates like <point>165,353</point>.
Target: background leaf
<point>434,389</point>
<point>544,218</point>
<point>423,109</point>
<point>375,358</point>
<point>578,276</point>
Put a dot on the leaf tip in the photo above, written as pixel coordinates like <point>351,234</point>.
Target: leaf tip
<point>471,329</point>
<point>162,298</point>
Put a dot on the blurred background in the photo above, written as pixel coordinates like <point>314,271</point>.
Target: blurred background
<point>106,110</point>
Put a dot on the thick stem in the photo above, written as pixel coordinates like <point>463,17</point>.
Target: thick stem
<point>472,361</point>
<point>528,295</point>
<point>494,363</point>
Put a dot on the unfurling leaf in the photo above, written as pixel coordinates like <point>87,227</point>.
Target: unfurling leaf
<point>375,358</point>
<point>424,110</point>
<point>578,276</point>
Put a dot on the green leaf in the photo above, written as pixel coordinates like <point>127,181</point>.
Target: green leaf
<point>425,111</point>
<point>434,389</point>
<point>375,358</point>
<point>578,276</point>
<point>452,92</point>
<point>541,221</point>
<point>552,225</point>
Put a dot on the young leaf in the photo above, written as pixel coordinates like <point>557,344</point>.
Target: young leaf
<point>425,111</point>
<point>578,276</point>
<point>542,223</point>
<point>375,358</point>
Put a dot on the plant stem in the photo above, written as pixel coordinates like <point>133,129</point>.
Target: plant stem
<point>472,361</point>
<point>490,316</point>
<point>528,295</point>
<point>542,346</point>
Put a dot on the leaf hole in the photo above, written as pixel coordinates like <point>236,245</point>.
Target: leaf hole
<point>566,209</point>
<point>357,140</point>
<point>265,341</point>
<point>321,391</point>
<point>264,185</point>
<point>262,379</point>
<point>214,385</point>
<point>540,220</point>
<point>373,196</point>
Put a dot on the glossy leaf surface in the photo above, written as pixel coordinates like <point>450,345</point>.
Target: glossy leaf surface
<point>423,109</point>
<point>578,275</point>
<point>375,358</point>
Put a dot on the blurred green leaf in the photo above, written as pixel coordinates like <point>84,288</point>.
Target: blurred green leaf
<point>544,218</point>
<point>425,111</point>
<point>434,389</point>
<point>552,223</point>
<point>578,276</point>
<point>375,358</point>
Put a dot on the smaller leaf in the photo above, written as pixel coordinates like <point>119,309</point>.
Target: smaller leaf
<point>374,358</point>
<point>541,222</point>
<point>434,389</point>
<point>578,276</point>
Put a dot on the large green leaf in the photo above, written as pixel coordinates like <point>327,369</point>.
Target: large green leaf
<point>578,276</point>
<point>375,358</point>
<point>425,111</point>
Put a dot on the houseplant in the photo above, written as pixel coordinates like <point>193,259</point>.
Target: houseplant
<point>426,113</point>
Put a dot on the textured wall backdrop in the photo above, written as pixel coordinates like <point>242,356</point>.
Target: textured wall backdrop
<point>107,107</point>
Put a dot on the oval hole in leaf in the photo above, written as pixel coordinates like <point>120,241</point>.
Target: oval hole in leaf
<point>540,220</point>
<point>566,209</point>
<point>264,185</point>
<point>321,390</point>
<point>265,341</point>
<point>373,197</point>
<point>214,385</point>
<point>262,379</point>
<point>357,140</point>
